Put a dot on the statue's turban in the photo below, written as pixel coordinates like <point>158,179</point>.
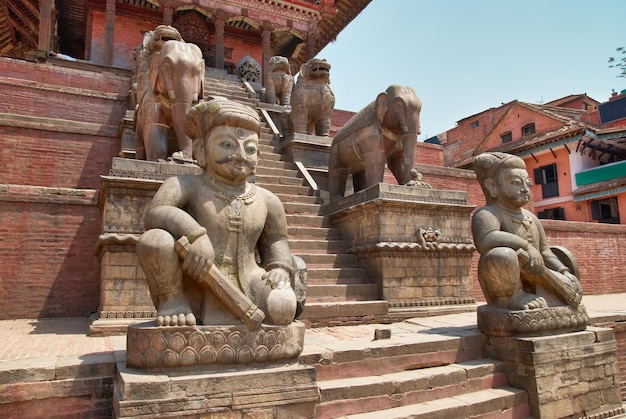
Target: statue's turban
<point>218,111</point>
<point>488,165</point>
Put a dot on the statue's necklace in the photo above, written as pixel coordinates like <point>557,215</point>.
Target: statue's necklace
<point>234,217</point>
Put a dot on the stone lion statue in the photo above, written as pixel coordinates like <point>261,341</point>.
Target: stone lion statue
<point>312,100</point>
<point>279,83</point>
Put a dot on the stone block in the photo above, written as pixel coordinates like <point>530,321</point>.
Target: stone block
<point>27,370</point>
<point>85,366</point>
<point>564,374</point>
<point>238,392</point>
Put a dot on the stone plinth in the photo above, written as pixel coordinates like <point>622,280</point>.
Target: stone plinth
<point>566,375</point>
<point>285,391</point>
<point>415,242</point>
<point>152,347</point>
<point>495,321</point>
<point>124,198</point>
<point>311,150</point>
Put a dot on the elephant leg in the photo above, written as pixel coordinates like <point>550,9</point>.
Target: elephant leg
<point>336,177</point>
<point>140,147</point>
<point>374,166</point>
<point>179,110</point>
<point>155,139</point>
<point>402,162</point>
<point>359,181</point>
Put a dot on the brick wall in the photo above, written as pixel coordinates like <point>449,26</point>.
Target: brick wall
<point>61,156</point>
<point>599,250</point>
<point>47,243</point>
<point>59,130</point>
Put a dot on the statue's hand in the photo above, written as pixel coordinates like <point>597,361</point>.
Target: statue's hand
<point>199,259</point>
<point>277,278</point>
<point>534,265</point>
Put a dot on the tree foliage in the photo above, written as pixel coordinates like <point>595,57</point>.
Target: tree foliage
<point>619,62</point>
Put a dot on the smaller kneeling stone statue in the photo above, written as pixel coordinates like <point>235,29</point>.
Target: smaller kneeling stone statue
<point>530,287</point>
<point>215,253</point>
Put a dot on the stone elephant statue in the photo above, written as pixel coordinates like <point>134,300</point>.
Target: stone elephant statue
<point>279,82</point>
<point>312,100</point>
<point>176,83</point>
<point>384,132</point>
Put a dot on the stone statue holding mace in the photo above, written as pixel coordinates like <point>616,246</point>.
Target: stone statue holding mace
<point>215,249</point>
<point>517,269</point>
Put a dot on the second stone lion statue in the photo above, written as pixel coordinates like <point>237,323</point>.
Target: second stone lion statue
<point>312,100</point>
<point>279,83</point>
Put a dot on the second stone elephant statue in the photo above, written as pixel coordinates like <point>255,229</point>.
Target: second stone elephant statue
<point>176,83</point>
<point>383,133</point>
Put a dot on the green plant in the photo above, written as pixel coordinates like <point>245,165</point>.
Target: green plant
<point>619,62</point>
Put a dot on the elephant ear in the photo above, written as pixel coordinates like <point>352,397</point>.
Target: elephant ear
<point>381,107</point>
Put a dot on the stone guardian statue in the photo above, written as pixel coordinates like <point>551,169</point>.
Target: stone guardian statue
<point>517,269</point>
<point>215,249</point>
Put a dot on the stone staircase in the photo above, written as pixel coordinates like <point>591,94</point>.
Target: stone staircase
<point>417,373</point>
<point>339,290</point>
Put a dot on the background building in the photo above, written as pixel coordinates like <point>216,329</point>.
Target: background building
<point>574,149</point>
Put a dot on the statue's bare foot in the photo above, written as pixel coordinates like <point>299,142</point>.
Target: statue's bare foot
<point>175,311</point>
<point>522,301</point>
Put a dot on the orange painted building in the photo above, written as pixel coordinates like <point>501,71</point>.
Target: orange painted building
<point>574,149</point>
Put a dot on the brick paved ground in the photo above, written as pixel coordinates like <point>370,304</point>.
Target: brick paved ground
<point>24,339</point>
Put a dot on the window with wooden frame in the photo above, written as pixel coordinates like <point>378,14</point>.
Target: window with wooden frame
<point>605,210</point>
<point>552,214</point>
<point>546,176</point>
<point>528,129</point>
<point>506,137</point>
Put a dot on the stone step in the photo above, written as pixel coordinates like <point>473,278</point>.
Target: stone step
<point>328,259</point>
<point>337,276</point>
<point>308,220</point>
<point>279,164</point>
<point>272,156</point>
<point>276,171</point>
<point>503,402</point>
<point>277,180</point>
<point>296,208</point>
<point>316,246</point>
<point>288,189</point>
<point>302,199</point>
<point>341,313</point>
<point>341,292</point>
<point>413,344</point>
<point>376,393</point>
<point>305,232</point>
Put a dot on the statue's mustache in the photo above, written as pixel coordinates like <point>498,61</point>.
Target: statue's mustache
<point>230,158</point>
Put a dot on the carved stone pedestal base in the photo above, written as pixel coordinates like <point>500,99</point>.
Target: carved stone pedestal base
<point>494,321</point>
<point>162,348</point>
<point>566,375</point>
<point>286,391</point>
<point>415,242</point>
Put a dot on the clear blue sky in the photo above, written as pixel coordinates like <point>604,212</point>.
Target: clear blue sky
<point>465,56</point>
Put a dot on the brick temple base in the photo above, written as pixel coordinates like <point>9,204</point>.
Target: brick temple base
<point>414,242</point>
